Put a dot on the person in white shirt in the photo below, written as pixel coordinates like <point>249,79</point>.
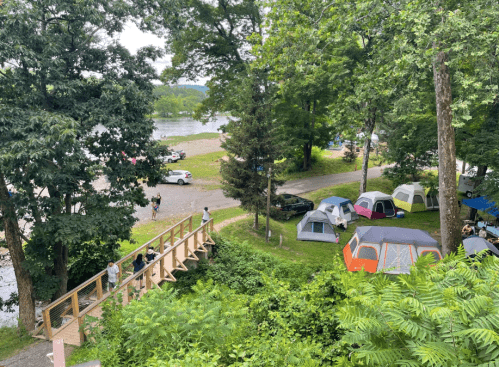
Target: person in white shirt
<point>482,233</point>
<point>206,215</point>
<point>112,274</point>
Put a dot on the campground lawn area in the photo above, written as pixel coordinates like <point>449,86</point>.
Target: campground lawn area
<point>320,253</point>
<point>174,140</point>
<point>207,168</point>
<point>204,166</point>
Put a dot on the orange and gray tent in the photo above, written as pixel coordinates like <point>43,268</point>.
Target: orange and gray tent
<point>315,226</point>
<point>392,250</point>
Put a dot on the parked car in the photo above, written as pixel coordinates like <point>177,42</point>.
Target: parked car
<point>178,176</point>
<point>171,157</point>
<point>181,153</point>
<point>293,204</point>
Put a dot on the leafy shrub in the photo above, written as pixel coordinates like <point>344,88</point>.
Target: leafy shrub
<point>241,267</point>
<point>443,315</point>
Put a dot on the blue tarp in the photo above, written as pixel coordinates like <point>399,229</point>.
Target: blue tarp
<point>483,204</point>
<point>380,235</point>
<point>335,200</point>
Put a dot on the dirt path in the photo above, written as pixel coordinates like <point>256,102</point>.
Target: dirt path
<point>226,222</point>
<point>34,355</point>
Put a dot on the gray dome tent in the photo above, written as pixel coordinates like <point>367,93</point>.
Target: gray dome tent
<point>315,226</point>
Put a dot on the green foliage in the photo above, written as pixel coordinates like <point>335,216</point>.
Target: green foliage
<point>63,129</point>
<point>173,101</point>
<point>296,162</point>
<point>442,315</point>
<point>252,145</point>
<point>243,268</point>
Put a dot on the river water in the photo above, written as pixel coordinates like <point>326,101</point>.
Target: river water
<point>181,127</point>
<point>185,126</point>
<point>7,286</point>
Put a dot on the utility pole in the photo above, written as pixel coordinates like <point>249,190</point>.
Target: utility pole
<point>267,227</point>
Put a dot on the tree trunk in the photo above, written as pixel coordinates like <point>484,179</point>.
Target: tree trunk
<point>61,269</point>
<point>255,221</point>
<point>463,168</point>
<point>449,211</point>
<point>480,174</point>
<point>24,282</point>
<point>307,153</point>
<point>369,127</point>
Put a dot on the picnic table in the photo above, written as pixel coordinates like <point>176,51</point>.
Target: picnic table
<point>493,230</point>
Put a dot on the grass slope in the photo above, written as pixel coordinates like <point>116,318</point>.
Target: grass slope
<point>11,341</point>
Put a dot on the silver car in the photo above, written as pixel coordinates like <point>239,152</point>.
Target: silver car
<point>178,176</point>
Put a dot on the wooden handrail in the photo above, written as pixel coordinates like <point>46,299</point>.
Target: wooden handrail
<point>132,277</point>
<point>103,272</point>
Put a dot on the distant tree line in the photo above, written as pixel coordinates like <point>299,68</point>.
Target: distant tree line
<point>176,101</point>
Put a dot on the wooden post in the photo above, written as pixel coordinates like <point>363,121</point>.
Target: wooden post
<point>148,278</point>
<point>186,248</point>
<point>80,328</point>
<point>74,304</point>
<point>190,224</point>
<point>98,284</point>
<point>161,244</point>
<point>181,229</point>
<point>172,236</point>
<point>47,323</point>
<point>58,353</point>
<point>128,291</point>
<point>120,271</point>
<point>162,261</point>
<point>174,258</point>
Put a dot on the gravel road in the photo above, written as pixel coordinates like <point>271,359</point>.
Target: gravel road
<point>188,199</point>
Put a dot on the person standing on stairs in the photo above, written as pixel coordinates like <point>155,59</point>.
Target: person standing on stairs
<point>112,274</point>
<point>138,265</point>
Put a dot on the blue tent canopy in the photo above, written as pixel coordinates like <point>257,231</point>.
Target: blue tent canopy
<point>483,204</point>
<point>335,200</point>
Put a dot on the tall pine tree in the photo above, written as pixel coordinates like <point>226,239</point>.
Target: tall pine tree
<point>252,145</point>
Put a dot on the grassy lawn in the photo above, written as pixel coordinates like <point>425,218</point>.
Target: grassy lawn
<point>319,253</point>
<point>11,342</point>
<point>328,166</point>
<point>174,140</point>
<point>203,166</point>
<point>145,232</point>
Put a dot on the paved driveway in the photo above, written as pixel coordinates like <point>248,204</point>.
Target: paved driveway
<point>190,199</point>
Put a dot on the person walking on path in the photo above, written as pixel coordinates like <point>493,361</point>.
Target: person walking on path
<point>138,265</point>
<point>206,215</point>
<point>112,274</point>
<point>154,210</point>
<point>158,200</point>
